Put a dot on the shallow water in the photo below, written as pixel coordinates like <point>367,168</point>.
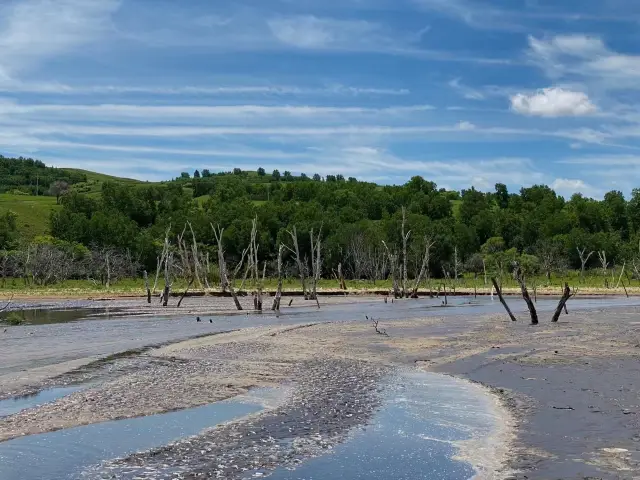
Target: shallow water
<point>15,405</point>
<point>413,436</point>
<point>65,454</point>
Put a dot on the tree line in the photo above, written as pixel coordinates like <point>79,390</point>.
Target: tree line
<point>368,231</point>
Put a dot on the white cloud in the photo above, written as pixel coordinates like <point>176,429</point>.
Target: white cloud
<point>553,102</point>
<point>585,57</point>
<point>466,126</point>
<point>33,30</point>
<point>310,32</point>
<point>567,187</point>
<point>467,92</point>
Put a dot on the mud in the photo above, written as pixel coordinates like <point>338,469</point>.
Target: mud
<point>573,388</point>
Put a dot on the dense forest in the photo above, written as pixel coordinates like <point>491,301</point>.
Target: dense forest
<point>32,177</point>
<point>360,223</point>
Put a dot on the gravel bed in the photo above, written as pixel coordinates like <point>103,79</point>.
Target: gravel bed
<point>330,398</point>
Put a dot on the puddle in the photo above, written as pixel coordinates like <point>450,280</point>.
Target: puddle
<point>415,435</point>
<point>65,454</point>
<point>16,404</point>
<point>44,316</point>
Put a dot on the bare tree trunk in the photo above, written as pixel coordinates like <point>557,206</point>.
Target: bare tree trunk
<point>602,256</point>
<point>316,263</point>
<point>444,288</point>
<point>566,295</point>
<point>405,239</point>
<point>161,258</point>
<point>583,260</point>
<point>196,258</point>
<point>276,300</point>
<point>168,261</point>
<point>393,267</point>
<point>428,244</point>
<point>108,284</point>
<point>525,295</point>
<point>222,265</point>
<point>296,251</point>
<point>502,301</point>
<point>185,291</point>
<point>343,285</point>
<point>621,273</point>
<point>146,286</point>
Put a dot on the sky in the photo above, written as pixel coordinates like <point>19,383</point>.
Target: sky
<point>462,92</point>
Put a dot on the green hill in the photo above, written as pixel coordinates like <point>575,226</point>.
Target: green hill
<point>33,212</point>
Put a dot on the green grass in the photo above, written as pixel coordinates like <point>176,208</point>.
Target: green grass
<point>592,284</point>
<point>33,213</point>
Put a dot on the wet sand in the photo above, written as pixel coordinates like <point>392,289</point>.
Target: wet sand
<point>573,387</point>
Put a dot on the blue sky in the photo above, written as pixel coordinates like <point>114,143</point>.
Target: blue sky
<point>462,92</point>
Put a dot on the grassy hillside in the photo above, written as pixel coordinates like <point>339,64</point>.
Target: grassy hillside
<point>95,180</point>
<point>33,212</point>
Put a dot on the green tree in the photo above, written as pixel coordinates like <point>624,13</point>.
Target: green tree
<point>276,175</point>
<point>261,172</point>
<point>196,174</point>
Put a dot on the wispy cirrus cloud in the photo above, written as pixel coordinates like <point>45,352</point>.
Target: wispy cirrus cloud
<point>34,30</point>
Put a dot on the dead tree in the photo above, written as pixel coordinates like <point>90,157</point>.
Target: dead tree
<point>168,267</point>
<point>424,269</point>
<point>276,299</point>
<point>2,309</point>
<point>583,260</point>
<point>393,267</point>
<point>502,300</point>
<point>316,263</point>
<point>161,258</point>
<point>520,278</point>
<point>222,266</point>
<point>146,286</point>
<point>296,252</point>
<point>405,239</point>
<point>456,264</point>
<point>621,273</point>
<point>184,294</point>
<point>343,285</point>
<point>253,266</point>
<point>602,256</point>
<point>566,295</point>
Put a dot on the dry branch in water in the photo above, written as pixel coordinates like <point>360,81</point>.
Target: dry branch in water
<point>502,301</point>
<point>566,295</point>
<point>277,298</point>
<point>7,304</point>
<point>519,276</point>
<point>375,326</point>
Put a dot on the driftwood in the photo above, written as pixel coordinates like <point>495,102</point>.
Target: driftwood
<point>168,264</point>
<point>566,295</point>
<point>502,301</point>
<point>518,275</point>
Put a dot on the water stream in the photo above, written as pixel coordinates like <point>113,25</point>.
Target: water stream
<point>65,454</point>
<point>17,404</point>
<point>417,433</point>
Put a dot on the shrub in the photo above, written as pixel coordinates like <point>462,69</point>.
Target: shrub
<point>14,318</point>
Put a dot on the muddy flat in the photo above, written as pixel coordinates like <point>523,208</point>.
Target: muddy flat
<point>565,395</point>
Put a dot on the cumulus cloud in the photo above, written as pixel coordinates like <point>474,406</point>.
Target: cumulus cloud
<point>569,186</point>
<point>553,102</point>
